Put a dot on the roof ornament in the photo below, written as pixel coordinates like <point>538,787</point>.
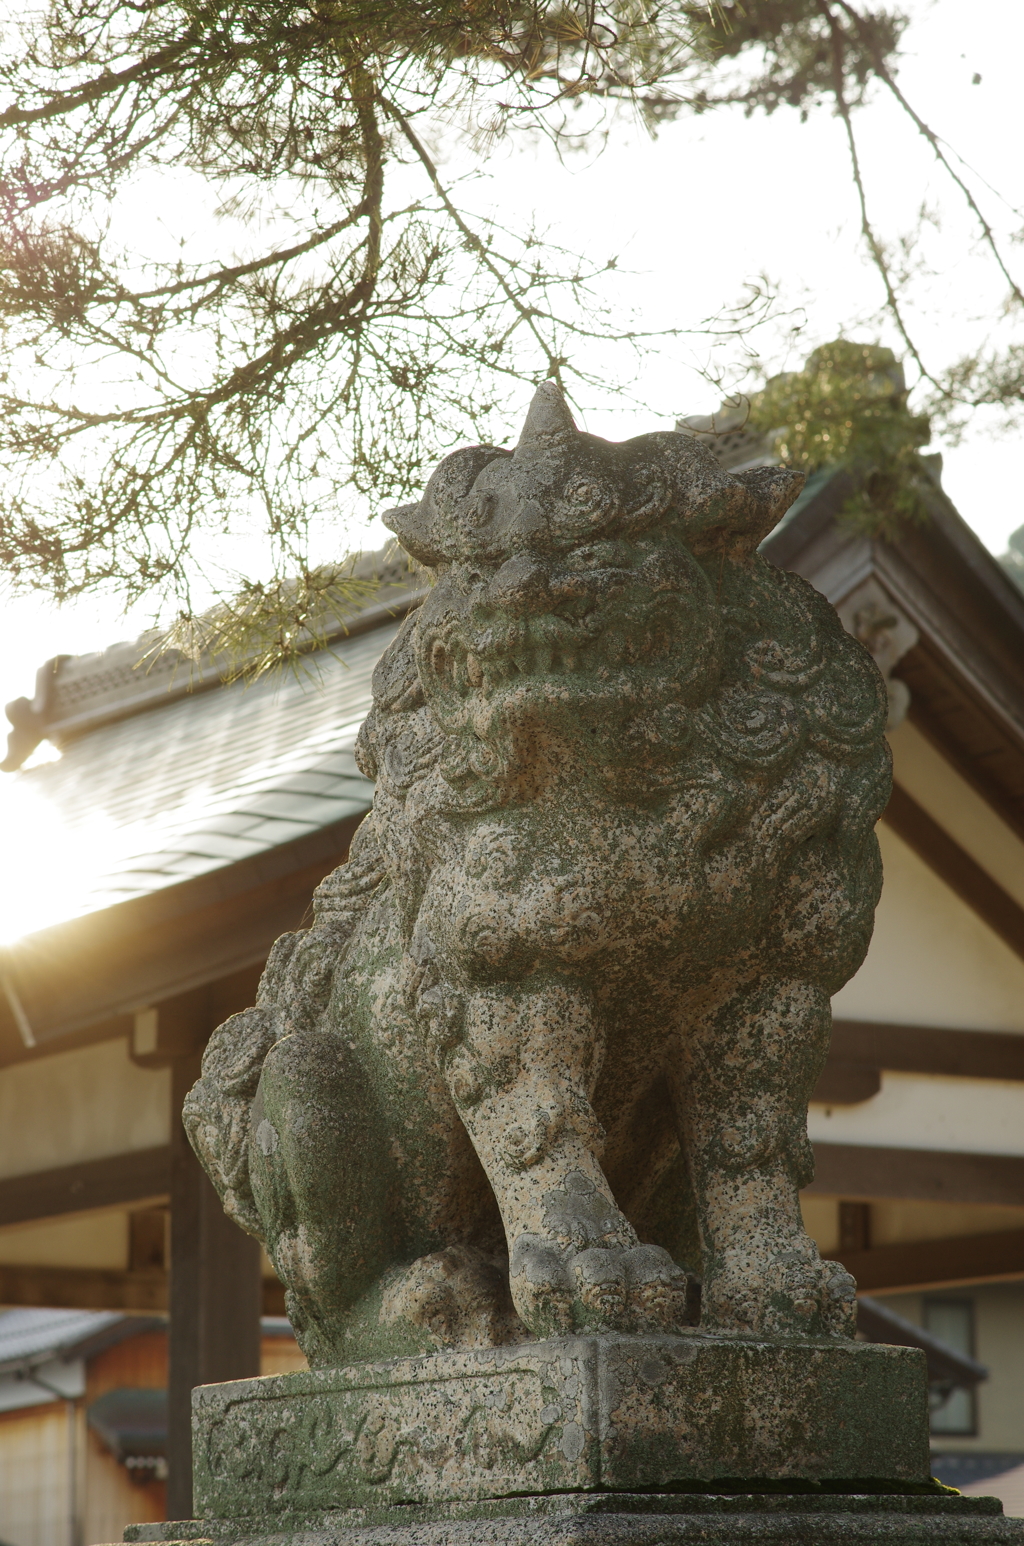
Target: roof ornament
<point>871,615</point>
<point>29,717</point>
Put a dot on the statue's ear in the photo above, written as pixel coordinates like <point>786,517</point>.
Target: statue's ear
<point>430,530</point>
<point>772,490</point>
<point>412,525</point>
<point>742,510</point>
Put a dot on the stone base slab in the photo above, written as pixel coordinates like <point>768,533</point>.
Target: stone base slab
<point>650,1519</point>
<point>569,1415</point>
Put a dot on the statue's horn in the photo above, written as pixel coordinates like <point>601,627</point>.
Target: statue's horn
<point>548,421</point>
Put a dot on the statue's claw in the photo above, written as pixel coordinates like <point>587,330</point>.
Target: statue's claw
<point>558,1290</point>
<point>659,1289</point>
<point>459,1296</point>
<point>788,1291</point>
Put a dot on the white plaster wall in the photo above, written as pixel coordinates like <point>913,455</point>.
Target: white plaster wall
<point>821,1221</point>
<point>932,961</point>
<point>88,1240</point>
<point>929,1111</point>
<point>80,1105</point>
<point>936,786</point>
<point>894,1220</point>
<point>999,1344</point>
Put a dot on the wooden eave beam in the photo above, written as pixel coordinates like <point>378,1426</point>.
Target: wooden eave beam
<point>868,1047</point>
<point>967,672</point>
<point>899,1268</point>
<point>867,1173</point>
<point>861,1051</point>
<point>843,1170</point>
<point>944,1263</point>
<point>139,952</point>
<point>951,587</point>
<point>100,1288</point>
<point>129,1178</point>
<point>954,865</point>
<point>968,610</point>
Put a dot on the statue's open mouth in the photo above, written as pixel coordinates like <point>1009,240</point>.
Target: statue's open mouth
<point>548,648</point>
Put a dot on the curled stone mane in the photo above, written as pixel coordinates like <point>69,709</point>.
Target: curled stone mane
<point>622,580</point>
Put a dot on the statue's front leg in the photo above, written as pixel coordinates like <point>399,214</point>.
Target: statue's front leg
<point>750,1062</point>
<point>521,1062</point>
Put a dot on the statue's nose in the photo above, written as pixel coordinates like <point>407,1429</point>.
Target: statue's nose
<point>521,585</point>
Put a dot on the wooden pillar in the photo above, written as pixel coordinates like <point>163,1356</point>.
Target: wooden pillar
<point>214,1293</point>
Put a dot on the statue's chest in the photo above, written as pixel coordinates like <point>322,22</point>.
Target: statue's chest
<point>521,895</point>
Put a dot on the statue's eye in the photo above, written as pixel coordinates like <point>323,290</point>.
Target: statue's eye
<point>586,493</point>
<point>602,555</point>
<point>467,580</point>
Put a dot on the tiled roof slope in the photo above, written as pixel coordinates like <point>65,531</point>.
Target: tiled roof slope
<point>76,693</point>
<point>201,781</point>
<point>32,1335</point>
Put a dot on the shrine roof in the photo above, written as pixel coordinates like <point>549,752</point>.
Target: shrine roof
<point>169,772</point>
<point>204,780</point>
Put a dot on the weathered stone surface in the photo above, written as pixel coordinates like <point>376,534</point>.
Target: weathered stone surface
<point>566,1415</point>
<point>544,1056</point>
<point>653,1519</point>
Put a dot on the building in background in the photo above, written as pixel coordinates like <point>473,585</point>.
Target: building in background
<point>83,1421</point>
<point>188,820</point>
<point>183,828</point>
<point>918,1120</point>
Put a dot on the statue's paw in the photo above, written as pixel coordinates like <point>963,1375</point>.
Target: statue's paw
<point>659,1290</point>
<point>601,1288</point>
<point>458,1296</point>
<point>558,1290</point>
<point>790,1291</point>
<point>542,1285</point>
<point>841,1309</point>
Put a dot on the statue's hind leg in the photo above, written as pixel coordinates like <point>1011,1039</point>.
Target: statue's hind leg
<point>521,1070</point>
<point>324,1183</point>
<point>750,1061</point>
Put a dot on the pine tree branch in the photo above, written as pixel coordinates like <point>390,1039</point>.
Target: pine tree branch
<point>874,246</point>
<point>884,74</point>
<point>101,86</point>
<point>472,240</point>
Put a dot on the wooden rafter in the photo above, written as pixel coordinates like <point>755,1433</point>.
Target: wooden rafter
<point>98,1288</point>
<point>955,866</point>
<point>943,1263</point>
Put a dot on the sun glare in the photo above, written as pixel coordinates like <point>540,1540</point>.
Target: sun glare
<point>45,752</point>
<point>51,867</point>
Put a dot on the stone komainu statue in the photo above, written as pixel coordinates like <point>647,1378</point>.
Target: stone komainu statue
<point>542,1062</point>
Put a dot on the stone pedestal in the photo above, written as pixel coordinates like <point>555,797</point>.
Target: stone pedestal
<point>629,1441</point>
<point>648,1519</point>
<point>575,1414</point>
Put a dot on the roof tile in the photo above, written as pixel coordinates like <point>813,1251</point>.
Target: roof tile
<point>201,781</point>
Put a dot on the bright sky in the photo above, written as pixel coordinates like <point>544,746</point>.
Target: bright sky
<point>715,201</point>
